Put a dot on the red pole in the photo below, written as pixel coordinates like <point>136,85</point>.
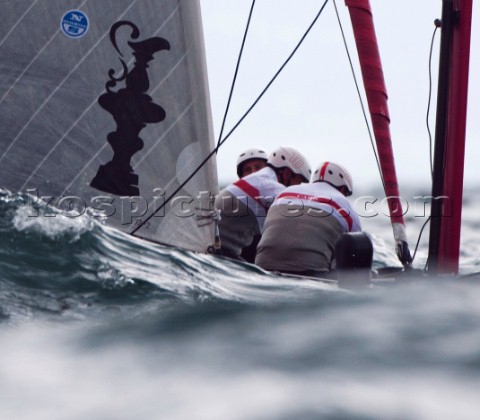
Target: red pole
<point>449,247</point>
<point>376,92</point>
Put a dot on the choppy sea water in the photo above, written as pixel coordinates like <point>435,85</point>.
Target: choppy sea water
<point>97,324</point>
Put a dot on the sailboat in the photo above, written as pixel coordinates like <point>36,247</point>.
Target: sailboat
<point>104,108</point>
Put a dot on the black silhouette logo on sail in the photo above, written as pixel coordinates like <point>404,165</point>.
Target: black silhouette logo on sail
<point>132,110</point>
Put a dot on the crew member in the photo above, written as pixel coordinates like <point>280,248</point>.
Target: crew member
<point>250,161</point>
<point>244,204</point>
<point>305,221</point>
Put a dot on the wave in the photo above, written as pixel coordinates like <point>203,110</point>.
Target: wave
<point>57,265</point>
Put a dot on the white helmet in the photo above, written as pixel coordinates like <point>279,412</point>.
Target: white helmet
<point>247,155</point>
<point>288,157</point>
<point>335,174</point>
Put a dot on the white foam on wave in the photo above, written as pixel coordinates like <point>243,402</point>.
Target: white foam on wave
<point>53,225</point>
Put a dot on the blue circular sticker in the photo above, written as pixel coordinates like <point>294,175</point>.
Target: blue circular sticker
<point>74,23</point>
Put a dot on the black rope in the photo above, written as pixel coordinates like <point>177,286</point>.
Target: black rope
<point>215,150</point>
<point>418,240</point>
<point>275,76</point>
<point>235,75</point>
<point>360,97</point>
<point>437,25</point>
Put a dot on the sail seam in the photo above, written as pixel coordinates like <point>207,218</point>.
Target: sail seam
<point>59,85</point>
<point>17,23</point>
<point>31,62</point>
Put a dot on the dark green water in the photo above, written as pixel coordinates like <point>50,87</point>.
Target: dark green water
<point>96,324</point>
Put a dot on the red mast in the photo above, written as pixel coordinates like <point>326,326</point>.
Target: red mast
<point>376,92</point>
<point>447,190</point>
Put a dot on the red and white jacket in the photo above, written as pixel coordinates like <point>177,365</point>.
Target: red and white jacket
<point>322,196</point>
<point>257,191</point>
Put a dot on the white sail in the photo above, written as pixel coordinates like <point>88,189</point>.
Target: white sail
<point>105,104</point>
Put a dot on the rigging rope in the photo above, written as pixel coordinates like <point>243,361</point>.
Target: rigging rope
<point>220,143</point>
<point>239,59</point>
<point>418,241</point>
<point>437,24</point>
